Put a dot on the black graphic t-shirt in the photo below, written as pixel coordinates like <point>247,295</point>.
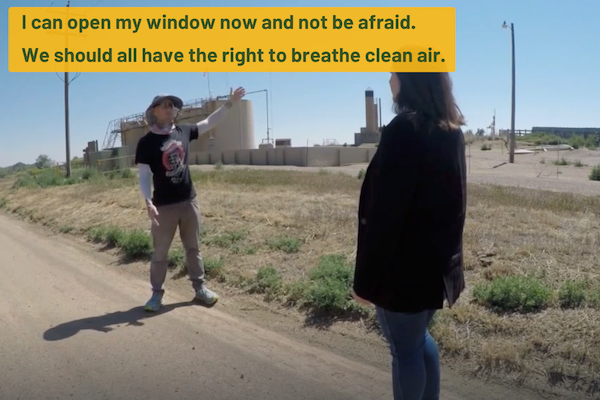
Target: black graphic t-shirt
<point>167,156</point>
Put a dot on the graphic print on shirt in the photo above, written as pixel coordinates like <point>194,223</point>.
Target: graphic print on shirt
<point>172,159</point>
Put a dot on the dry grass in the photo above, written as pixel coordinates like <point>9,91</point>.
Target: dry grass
<point>278,224</point>
<point>554,237</point>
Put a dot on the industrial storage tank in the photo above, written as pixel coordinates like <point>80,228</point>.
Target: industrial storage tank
<point>131,135</point>
<point>236,131</point>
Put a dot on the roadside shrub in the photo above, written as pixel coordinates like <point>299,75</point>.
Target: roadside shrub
<point>286,244</point>
<point>330,284</point>
<point>90,173</point>
<point>562,161</point>
<point>226,240</point>
<point>136,244</point>
<point>593,298</point>
<point>176,258</point>
<point>295,292</point>
<point>43,178</point>
<point>25,181</point>
<point>97,234</point>
<point>595,174</point>
<point>109,235</point>
<point>127,174</point>
<point>572,294</point>
<point>592,142</point>
<point>50,177</point>
<point>115,237</point>
<point>267,281</point>
<point>213,267</point>
<point>513,294</point>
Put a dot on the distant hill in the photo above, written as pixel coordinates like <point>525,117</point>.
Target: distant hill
<point>15,168</point>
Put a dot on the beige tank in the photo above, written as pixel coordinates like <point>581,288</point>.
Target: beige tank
<point>236,131</point>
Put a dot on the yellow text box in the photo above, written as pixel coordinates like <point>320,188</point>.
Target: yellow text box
<point>232,39</point>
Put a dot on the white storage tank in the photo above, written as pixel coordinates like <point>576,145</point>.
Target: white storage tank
<point>236,131</point>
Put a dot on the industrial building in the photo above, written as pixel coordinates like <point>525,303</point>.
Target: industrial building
<point>233,140</point>
<point>371,133</point>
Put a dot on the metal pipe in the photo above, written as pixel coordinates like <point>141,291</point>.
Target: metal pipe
<point>267,101</point>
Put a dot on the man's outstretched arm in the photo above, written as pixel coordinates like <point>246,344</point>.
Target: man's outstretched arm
<point>216,117</point>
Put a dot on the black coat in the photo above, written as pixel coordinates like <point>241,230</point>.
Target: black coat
<point>411,218</point>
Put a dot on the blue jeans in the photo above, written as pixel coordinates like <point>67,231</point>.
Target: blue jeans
<point>415,356</point>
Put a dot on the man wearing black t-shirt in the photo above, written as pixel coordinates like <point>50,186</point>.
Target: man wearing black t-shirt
<point>162,158</point>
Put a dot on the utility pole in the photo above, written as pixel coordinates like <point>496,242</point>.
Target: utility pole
<point>67,134</point>
<point>511,158</point>
<point>66,88</point>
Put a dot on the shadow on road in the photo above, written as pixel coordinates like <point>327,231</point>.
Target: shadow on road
<point>132,317</point>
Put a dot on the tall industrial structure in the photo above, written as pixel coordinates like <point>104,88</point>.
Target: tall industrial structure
<point>371,133</point>
<point>235,132</point>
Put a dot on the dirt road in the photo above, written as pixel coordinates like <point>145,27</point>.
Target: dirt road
<point>71,327</point>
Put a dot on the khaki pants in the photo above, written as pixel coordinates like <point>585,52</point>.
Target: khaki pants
<point>186,216</point>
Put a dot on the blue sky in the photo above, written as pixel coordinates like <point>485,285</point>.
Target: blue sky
<point>557,58</point>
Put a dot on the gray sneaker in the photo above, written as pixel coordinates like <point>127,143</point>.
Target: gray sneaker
<point>207,296</point>
<point>155,302</point>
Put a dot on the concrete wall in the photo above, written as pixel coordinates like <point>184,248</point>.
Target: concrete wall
<point>202,158</point>
<point>215,158</point>
<point>229,157</point>
<point>294,156</point>
<point>243,157</point>
<point>276,156</point>
<point>326,157</point>
<point>371,153</point>
<point>354,156</point>
<point>258,157</point>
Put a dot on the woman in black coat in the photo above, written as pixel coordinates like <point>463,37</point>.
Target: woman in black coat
<point>411,218</point>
